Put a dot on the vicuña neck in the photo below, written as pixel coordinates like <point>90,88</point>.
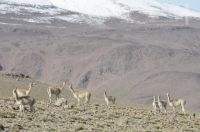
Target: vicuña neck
<point>158,98</point>
<point>30,86</point>
<point>105,94</point>
<point>73,91</point>
<point>63,85</point>
<point>16,95</point>
<point>168,98</point>
<point>154,98</point>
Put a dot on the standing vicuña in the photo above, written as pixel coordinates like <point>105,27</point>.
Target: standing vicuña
<point>24,91</point>
<point>80,94</point>
<point>25,100</point>
<point>176,102</point>
<point>109,99</point>
<point>162,104</point>
<point>155,104</point>
<point>55,90</point>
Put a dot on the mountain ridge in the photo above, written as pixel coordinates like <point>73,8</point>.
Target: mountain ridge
<point>109,8</point>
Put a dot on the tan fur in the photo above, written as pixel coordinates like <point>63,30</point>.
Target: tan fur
<point>55,90</point>
<point>155,104</point>
<point>80,94</point>
<point>176,102</point>
<point>109,99</point>
<point>25,100</point>
<point>162,104</point>
<point>24,91</point>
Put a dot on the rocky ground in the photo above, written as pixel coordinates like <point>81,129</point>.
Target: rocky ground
<point>132,61</point>
<point>93,117</point>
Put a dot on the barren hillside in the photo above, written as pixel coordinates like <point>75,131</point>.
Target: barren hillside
<point>132,61</point>
<point>133,58</point>
<point>95,116</point>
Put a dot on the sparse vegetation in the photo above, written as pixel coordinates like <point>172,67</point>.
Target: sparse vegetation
<point>81,118</point>
<point>90,117</point>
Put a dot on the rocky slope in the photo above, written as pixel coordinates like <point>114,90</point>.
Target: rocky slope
<point>93,117</point>
<point>131,60</point>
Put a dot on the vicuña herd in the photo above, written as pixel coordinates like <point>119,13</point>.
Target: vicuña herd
<point>161,105</point>
<point>22,98</point>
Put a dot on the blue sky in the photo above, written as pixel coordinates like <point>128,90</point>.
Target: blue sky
<point>192,4</point>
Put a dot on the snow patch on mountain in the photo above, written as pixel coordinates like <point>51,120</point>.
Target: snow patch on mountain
<point>121,8</point>
<point>91,11</point>
<point>29,2</point>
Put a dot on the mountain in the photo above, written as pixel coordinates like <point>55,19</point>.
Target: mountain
<point>133,54</point>
<point>93,10</point>
<point>123,8</point>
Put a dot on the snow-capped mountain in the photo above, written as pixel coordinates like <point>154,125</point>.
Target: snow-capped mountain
<point>119,8</point>
<point>94,10</point>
